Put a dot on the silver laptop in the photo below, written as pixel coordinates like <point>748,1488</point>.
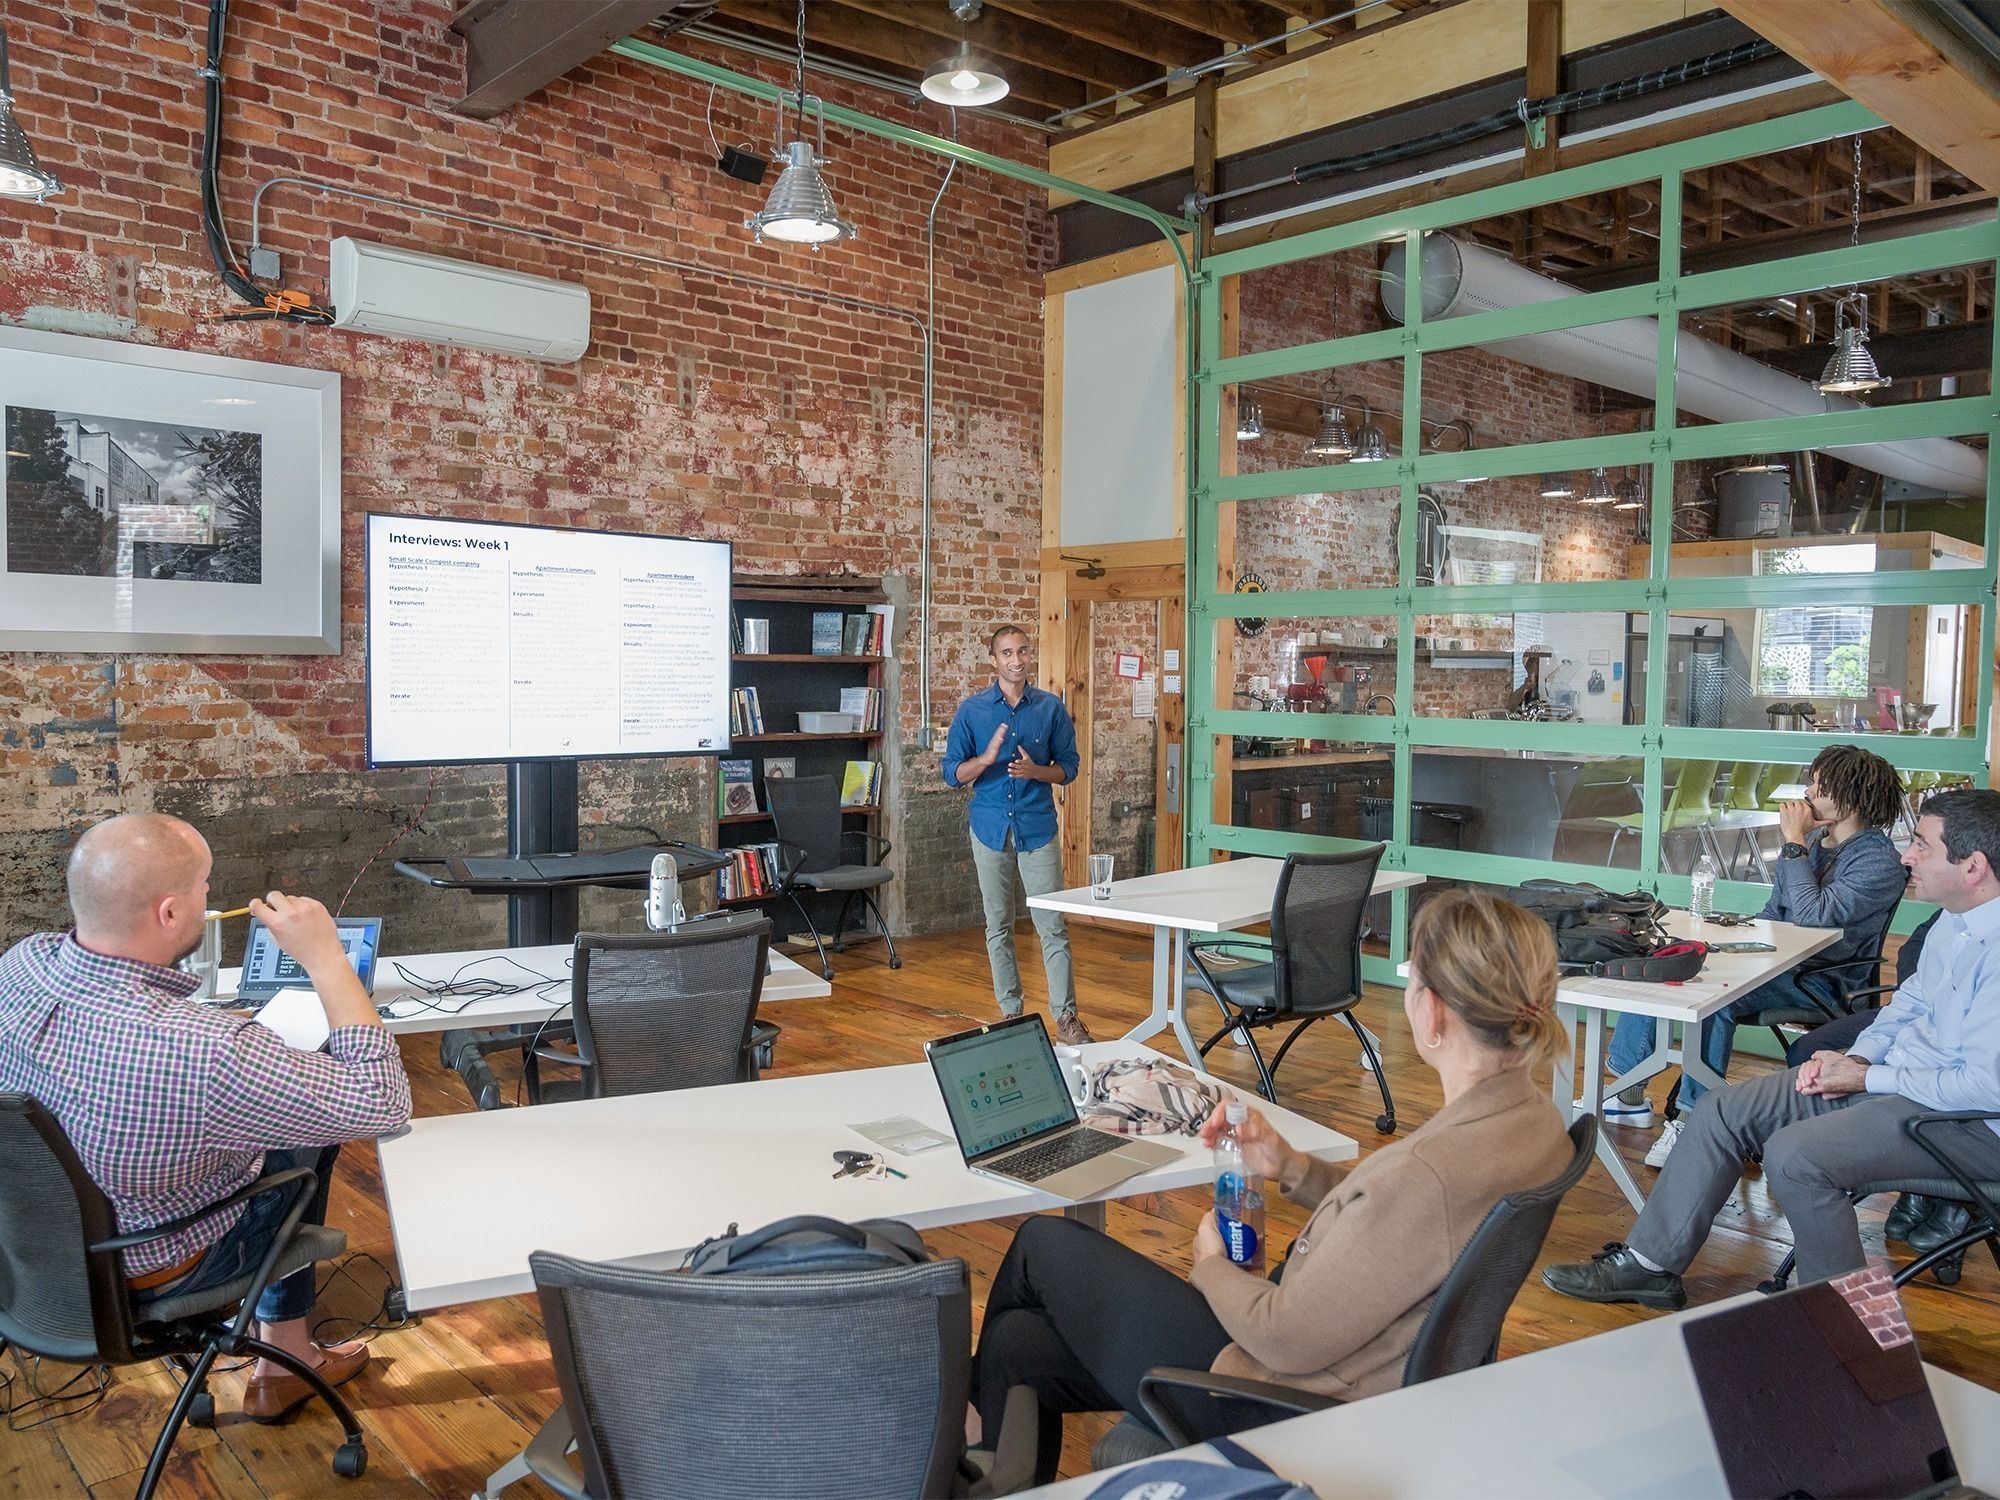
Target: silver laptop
<point>1011,1110</point>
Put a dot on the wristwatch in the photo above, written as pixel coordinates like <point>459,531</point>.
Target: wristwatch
<point>1793,850</point>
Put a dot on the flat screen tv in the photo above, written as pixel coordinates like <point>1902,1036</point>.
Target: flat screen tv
<point>495,642</point>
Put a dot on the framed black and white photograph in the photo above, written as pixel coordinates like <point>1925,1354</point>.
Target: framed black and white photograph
<point>153,500</point>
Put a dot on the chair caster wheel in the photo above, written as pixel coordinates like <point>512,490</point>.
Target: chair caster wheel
<point>350,1460</point>
<point>895,963</point>
<point>1770,1288</point>
<point>1386,1124</point>
<point>826,973</point>
<point>202,1412</point>
<point>1946,1271</point>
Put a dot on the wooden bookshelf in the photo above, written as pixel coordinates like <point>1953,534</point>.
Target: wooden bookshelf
<point>798,734</point>
<point>763,817</point>
<point>794,657</point>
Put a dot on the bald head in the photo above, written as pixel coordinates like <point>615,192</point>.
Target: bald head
<point>135,882</point>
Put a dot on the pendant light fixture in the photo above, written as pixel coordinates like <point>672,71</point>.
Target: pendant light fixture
<point>1851,367</point>
<point>1332,442</point>
<point>1370,447</point>
<point>21,175</point>
<point>964,79</point>
<point>1249,420</point>
<point>800,210</point>
<point>1630,496</point>
<point>1558,486</point>
<point>1597,488</point>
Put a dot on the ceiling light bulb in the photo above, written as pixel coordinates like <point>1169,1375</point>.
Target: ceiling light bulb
<point>1851,367</point>
<point>800,209</point>
<point>1332,440</point>
<point>1372,447</point>
<point>1557,486</point>
<point>1597,489</point>
<point>963,80</point>
<point>1249,422</point>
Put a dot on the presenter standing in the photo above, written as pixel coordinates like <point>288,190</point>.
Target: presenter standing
<point>1011,744</point>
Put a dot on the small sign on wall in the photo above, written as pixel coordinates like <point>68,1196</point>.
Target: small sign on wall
<point>1143,697</point>
<point>1130,664</point>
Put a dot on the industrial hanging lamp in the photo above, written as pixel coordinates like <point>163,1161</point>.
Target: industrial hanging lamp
<point>1249,420</point>
<point>1851,367</point>
<point>1370,447</point>
<point>1630,496</point>
<point>1558,486</point>
<point>964,79</point>
<point>1332,441</point>
<point>800,210</point>
<point>21,175</point>
<point>1597,488</point>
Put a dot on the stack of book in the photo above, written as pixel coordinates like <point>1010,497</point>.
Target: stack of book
<point>752,871</point>
<point>862,635</point>
<point>865,703</point>
<point>746,714</point>
<point>861,783</point>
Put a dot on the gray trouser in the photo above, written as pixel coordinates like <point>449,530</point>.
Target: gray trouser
<point>1039,872</point>
<point>1815,1149</point>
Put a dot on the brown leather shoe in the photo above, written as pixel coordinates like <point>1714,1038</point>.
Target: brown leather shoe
<point>1071,1032</point>
<point>274,1398</point>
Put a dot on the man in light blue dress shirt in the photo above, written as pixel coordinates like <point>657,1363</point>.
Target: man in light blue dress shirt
<point>1836,1121</point>
<point>1011,744</point>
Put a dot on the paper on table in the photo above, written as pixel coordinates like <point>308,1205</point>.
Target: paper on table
<point>298,1018</point>
<point>1694,991</point>
<point>901,1134</point>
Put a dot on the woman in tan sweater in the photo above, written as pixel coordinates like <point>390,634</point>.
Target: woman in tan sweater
<point>1079,1318</point>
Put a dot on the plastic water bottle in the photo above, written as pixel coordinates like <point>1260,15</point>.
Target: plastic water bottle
<point>1239,1195</point>
<point>1701,900</point>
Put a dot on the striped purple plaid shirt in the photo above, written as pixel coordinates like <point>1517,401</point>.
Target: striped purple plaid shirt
<point>171,1105</point>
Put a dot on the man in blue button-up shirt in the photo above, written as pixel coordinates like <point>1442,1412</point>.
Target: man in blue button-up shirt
<point>1011,744</point>
<point>1836,1122</point>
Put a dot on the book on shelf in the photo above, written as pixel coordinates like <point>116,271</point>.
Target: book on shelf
<point>828,632</point>
<point>781,767</point>
<point>746,713</point>
<point>865,703</point>
<point>735,630</point>
<point>861,783</point>
<point>739,789</point>
<point>884,616</point>
<point>854,635</point>
<point>753,870</point>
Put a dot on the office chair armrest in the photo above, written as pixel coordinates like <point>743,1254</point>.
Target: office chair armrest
<point>792,856</point>
<point>1157,1388</point>
<point>187,1221</point>
<point>557,1055</point>
<point>1916,1126</point>
<point>547,1457</point>
<point>1015,1451</point>
<point>1873,989</point>
<point>1224,944</point>
<point>882,846</point>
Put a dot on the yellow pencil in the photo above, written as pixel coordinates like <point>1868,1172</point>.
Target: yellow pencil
<point>219,916</point>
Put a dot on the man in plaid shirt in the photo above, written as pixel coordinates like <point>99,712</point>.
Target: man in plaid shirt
<point>172,1105</point>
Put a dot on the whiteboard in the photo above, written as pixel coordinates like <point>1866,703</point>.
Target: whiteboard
<point>1120,341</point>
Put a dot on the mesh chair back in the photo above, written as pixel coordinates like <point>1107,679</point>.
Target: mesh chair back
<point>1316,917</point>
<point>1462,1329</point>
<point>57,1297</point>
<point>846,1386</point>
<point>806,812</point>
<point>1871,948</point>
<point>668,1010</point>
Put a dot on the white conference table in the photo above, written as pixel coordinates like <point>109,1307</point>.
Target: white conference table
<point>1223,897</point>
<point>401,981</point>
<point>1724,977</point>
<point>644,1178</point>
<point>1617,1415</point>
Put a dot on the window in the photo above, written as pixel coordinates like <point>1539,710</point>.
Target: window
<point>1817,648</point>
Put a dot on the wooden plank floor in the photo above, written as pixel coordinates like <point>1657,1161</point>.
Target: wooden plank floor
<point>452,1397</point>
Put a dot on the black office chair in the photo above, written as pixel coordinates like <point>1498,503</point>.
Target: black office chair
<point>1312,968</point>
<point>1954,1183</point>
<point>821,855</point>
<point>655,1011</point>
<point>1460,1332</point>
<point>1833,988</point>
<point>837,1386</point>
<point>63,1293</point>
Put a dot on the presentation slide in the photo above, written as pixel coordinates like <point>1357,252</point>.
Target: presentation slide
<point>491,642</point>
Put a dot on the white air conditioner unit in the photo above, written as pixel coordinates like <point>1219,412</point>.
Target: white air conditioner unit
<point>406,294</point>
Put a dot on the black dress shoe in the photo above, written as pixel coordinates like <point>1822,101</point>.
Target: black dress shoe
<point>1946,1222</point>
<point>1911,1210</point>
<point>1615,1275</point>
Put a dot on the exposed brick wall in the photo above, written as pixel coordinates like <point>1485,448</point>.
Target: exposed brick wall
<point>790,426</point>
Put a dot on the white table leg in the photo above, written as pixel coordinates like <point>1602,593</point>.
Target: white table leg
<point>511,1472</point>
<point>1161,1015</point>
<point>1663,1055</point>
<point>1593,1100</point>
<point>1178,942</point>
<point>1089,1214</point>
<point>1562,1087</point>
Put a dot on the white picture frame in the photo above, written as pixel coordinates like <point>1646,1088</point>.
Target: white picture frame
<point>159,501</point>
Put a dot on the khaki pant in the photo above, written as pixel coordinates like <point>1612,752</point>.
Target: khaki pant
<point>1038,871</point>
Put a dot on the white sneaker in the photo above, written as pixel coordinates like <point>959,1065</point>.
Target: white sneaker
<point>1670,1133</point>
<point>1618,1112</point>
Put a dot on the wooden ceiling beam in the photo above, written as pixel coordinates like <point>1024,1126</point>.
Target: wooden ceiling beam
<point>1109,23</point>
<point>1901,63</point>
<point>1238,21</point>
<point>519,47</point>
<point>1013,39</point>
<point>900,47</point>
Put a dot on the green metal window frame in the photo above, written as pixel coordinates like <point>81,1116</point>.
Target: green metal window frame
<point>1656,595</point>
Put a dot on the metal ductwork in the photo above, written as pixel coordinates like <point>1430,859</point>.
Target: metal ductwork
<point>1713,382</point>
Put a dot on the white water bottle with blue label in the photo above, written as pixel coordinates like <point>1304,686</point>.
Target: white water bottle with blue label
<point>1701,894</point>
<point>1239,1195</point>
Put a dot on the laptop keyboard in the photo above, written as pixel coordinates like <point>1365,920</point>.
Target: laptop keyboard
<point>1060,1154</point>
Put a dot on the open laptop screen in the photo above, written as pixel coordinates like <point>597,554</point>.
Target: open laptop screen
<point>1819,1391</point>
<point>1001,1084</point>
<point>267,968</point>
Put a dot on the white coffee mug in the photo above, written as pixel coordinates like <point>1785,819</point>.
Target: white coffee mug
<point>1070,1061</point>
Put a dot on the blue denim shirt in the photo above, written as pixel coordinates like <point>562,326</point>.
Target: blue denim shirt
<point>1001,803</point>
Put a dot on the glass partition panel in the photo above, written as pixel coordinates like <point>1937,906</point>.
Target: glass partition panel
<point>1527,804</point>
<point>1726,809</point>
<point>1304,301</point>
<point>1318,665</point>
<point>1567,666</point>
<point>1348,415</point>
<point>1825,667</point>
<point>1345,540</point>
<point>1340,789</point>
<point>1527,528</point>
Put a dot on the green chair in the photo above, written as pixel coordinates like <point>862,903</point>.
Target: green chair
<point>1690,804</point>
<point>1599,786</point>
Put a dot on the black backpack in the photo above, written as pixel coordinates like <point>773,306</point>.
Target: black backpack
<point>1592,925</point>
<point>808,1243</point>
